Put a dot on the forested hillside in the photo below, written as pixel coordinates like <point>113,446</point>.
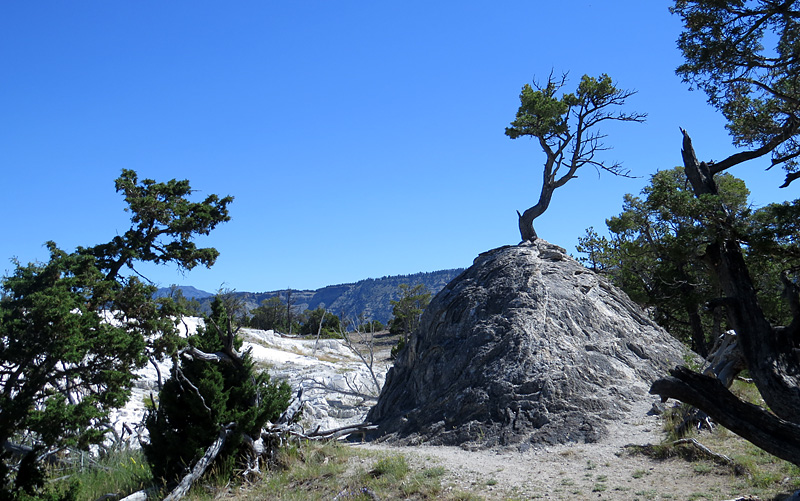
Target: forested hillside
<point>372,296</point>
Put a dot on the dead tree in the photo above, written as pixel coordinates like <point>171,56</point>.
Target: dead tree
<point>770,352</point>
<point>364,349</point>
<point>745,56</point>
<point>362,344</point>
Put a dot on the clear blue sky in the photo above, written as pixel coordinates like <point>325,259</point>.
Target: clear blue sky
<point>360,139</point>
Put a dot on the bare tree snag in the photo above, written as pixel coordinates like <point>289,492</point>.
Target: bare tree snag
<point>769,356</point>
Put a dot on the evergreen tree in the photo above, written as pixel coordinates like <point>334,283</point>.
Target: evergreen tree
<point>566,127</point>
<point>202,396</point>
<point>73,330</point>
<point>331,325</point>
<point>408,309</point>
<point>270,315</point>
<point>654,255</point>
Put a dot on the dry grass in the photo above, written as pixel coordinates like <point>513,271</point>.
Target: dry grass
<point>329,470</point>
<point>756,471</point>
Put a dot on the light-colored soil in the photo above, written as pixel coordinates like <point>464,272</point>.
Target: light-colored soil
<point>604,470</point>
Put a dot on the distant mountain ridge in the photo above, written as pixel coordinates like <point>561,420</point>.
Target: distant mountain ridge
<point>371,296</point>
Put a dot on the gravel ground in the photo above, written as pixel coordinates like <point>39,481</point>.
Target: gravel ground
<point>603,470</point>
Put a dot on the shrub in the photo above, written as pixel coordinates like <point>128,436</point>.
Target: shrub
<point>200,397</point>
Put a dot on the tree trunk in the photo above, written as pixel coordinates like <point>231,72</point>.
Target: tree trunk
<point>699,344</point>
<point>770,358</point>
<point>779,437</point>
<point>526,230</point>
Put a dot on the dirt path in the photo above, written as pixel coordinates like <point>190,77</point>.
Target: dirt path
<point>603,470</point>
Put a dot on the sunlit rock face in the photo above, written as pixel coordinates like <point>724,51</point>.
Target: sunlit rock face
<point>525,347</point>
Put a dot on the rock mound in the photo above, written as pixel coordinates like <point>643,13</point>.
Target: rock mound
<point>525,347</point>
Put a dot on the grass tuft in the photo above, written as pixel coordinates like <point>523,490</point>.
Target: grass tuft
<point>392,466</point>
<point>121,472</point>
<point>760,471</point>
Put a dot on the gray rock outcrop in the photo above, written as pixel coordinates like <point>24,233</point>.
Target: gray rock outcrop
<point>525,347</point>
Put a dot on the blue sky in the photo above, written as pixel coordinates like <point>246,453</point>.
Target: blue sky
<point>360,139</point>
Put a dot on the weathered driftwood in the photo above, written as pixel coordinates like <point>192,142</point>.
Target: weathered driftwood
<point>201,465</point>
<point>720,458</point>
<point>767,431</point>
<point>725,361</point>
<point>142,495</point>
<point>290,414</point>
<point>325,434</point>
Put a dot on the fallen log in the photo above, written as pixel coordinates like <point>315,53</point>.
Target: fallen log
<point>719,458</point>
<point>763,428</point>
<point>279,429</point>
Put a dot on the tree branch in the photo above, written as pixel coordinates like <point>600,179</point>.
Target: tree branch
<point>789,178</point>
<point>778,437</point>
<point>200,467</point>
<point>787,131</point>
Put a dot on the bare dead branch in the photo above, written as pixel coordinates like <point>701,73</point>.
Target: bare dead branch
<point>200,467</point>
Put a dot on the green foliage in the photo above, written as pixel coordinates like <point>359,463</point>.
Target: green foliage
<point>331,325</point>
<point>655,253</point>
<point>541,112</point>
<point>746,56</point>
<point>53,338</point>
<point>270,315</point>
<point>73,330</point>
<point>655,249</point>
<point>191,307</point>
<point>396,349</point>
<point>164,223</point>
<point>408,309</point>
<point>200,397</point>
<point>773,257</point>
<point>371,326</point>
